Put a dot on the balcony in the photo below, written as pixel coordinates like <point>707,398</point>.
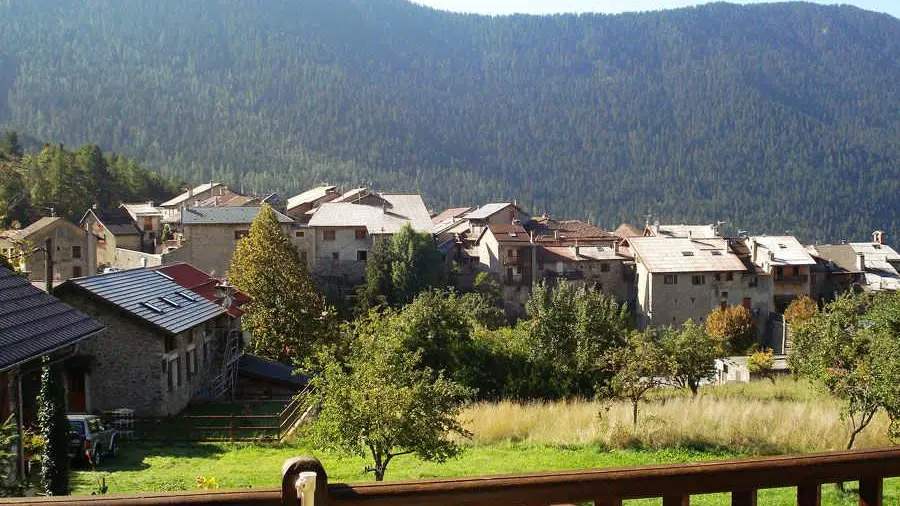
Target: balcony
<point>512,261</point>
<point>675,484</point>
<point>796,278</point>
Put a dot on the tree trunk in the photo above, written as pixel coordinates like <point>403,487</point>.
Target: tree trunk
<point>634,410</point>
<point>695,387</point>
<point>379,473</point>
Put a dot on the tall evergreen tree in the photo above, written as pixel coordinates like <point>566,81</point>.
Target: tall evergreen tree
<point>287,316</point>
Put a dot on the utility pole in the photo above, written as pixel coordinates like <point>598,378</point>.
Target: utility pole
<point>48,263</point>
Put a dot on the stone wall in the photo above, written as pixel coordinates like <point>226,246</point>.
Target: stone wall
<point>130,259</point>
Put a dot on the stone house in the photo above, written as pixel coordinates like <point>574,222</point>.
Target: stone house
<point>345,234</point>
<point>211,235</point>
<point>609,269</point>
<point>162,345</point>
<point>72,250</point>
<point>680,278</point>
<point>500,213</point>
<point>34,324</point>
<point>507,251</point>
<point>148,220</point>
<point>872,266</point>
<point>172,208</point>
<point>111,230</point>
<point>787,262</point>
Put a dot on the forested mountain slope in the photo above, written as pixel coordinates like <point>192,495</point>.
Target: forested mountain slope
<point>774,117</point>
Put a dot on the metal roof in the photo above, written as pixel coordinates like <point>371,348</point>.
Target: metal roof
<point>150,296</point>
<point>388,219</point>
<point>257,367</point>
<point>33,323</point>
<point>190,194</point>
<point>486,211</point>
<point>351,195</point>
<point>142,209</point>
<point>450,214</point>
<point>117,221</point>
<point>309,196</point>
<point>780,250</point>
<point>663,254</point>
<point>225,215</point>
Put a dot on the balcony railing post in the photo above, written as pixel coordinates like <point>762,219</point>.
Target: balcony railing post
<point>809,495</point>
<point>871,492</point>
<point>743,498</point>
<point>289,473</point>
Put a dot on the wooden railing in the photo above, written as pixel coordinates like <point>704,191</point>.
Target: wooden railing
<point>675,484</point>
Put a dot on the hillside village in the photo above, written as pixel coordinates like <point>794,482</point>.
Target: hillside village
<point>142,298</point>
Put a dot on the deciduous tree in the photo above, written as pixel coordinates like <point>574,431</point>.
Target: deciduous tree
<point>381,403</point>
<point>734,324</point>
<point>287,316</point>
<point>400,268</point>
<point>692,353</point>
<point>637,367</point>
<point>800,309</point>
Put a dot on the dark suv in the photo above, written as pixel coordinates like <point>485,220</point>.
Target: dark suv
<point>91,440</point>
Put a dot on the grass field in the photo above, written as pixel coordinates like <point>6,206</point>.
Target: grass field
<point>725,422</point>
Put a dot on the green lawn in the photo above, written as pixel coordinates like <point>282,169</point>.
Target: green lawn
<point>144,467</point>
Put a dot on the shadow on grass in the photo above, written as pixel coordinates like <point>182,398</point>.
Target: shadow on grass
<point>133,455</point>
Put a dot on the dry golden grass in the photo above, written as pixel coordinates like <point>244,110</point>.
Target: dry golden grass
<point>761,418</point>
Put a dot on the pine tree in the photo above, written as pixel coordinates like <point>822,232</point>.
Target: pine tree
<point>54,430</point>
<point>286,314</point>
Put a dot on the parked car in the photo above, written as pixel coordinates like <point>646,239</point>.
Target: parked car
<point>91,440</point>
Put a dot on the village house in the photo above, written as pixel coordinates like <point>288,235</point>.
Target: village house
<point>609,269</point>
<point>34,324</point>
<point>299,206</point>
<point>788,264</point>
<point>72,252</point>
<point>172,208</point>
<point>163,343</point>
<point>508,251</point>
<point>682,231</point>
<point>872,266</point>
<point>680,278</point>
<point>211,234</point>
<point>148,220</point>
<point>111,230</point>
<point>345,234</point>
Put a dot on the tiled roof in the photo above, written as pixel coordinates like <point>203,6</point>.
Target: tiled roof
<point>351,195</point>
<point>37,226</point>
<point>628,230</point>
<point>33,322</point>
<point>510,233</point>
<point>585,254</point>
<point>661,255</point>
<point>841,256</point>
<point>225,215</point>
<point>117,221</point>
<point>184,197</point>
<point>486,211</point>
<point>202,284</point>
<point>150,296</point>
<point>780,250</point>
<point>309,196</point>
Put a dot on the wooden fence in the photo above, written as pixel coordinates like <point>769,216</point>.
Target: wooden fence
<point>675,484</point>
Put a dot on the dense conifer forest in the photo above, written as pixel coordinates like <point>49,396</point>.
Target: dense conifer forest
<point>779,117</point>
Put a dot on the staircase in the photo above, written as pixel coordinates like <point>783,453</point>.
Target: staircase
<point>223,384</point>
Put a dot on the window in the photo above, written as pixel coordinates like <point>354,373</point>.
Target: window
<point>729,276</point>
<point>362,255</point>
<point>148,223</point>
<point>299,233</point>
<point>240,234</point>
<point>335,258</point>
<point>360,234</point>
<point>173,373</point>
<point>190,362</point>
<point>670,279</point>
<point>169,343</point>
<point>718,276</point>
<point>328,235</point>
<point>76,271</point>
<point>604,267</point>
<point>76,251</point>
<point>698,279</point>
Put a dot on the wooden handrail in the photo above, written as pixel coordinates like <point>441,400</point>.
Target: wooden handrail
<point>675,483</point>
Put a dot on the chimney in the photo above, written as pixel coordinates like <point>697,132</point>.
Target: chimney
<point>616,247</point>
<point>860,262</point>
<point>556,235</point>
<point>655,227</point>
<point>690,234</point>
<point>754,247</point>
<point>878,237</point>
<point>577,249</point>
